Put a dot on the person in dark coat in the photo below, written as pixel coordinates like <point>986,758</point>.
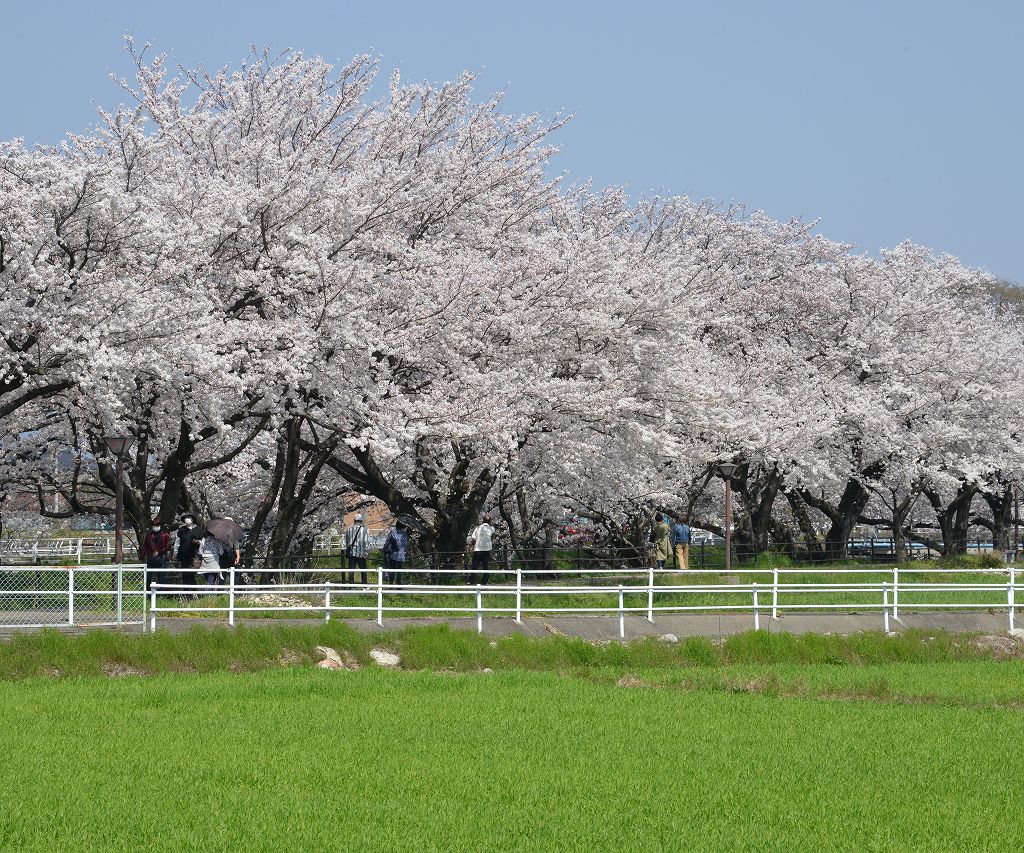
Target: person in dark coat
<point>156,545</point>
<point>190,535</point>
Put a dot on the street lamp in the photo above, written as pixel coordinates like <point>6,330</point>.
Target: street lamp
<point>1016,524</point>
<point>726,470</point>
<point>119,445</point>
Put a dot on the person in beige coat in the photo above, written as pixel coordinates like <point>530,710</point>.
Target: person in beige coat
<point>661,541</point>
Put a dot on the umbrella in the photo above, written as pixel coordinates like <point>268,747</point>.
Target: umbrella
<point>411,522</point>
<point>225,530</point>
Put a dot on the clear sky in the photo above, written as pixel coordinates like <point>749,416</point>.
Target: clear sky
<point>885,120</point>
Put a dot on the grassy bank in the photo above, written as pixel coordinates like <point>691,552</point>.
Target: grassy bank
<point>202,649</point>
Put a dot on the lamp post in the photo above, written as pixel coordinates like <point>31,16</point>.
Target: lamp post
<point>726,470</point>
<point>1016,523</point>
<point>118,445</point>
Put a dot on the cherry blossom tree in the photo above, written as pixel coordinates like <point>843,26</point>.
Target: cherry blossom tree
<point>291,287</point>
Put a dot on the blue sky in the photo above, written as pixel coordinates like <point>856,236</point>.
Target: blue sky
<point>885,120</point>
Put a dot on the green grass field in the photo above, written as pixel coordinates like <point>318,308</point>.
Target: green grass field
<point>767,742</point>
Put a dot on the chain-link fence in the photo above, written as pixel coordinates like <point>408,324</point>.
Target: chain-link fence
<point>55,596</point>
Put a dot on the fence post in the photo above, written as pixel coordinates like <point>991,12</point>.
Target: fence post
<point>327,601</point>
<point>519,595</point>
<point>479,612</point>
<point>71,596</point>
<point>775,593</point>
<point>757,612</point>
<point>152,608</point>
<point>1010,597</point>
<point>885,607</point>
<point>120,590</point>
<point>380,595</point>
<point>79,550</point>
<point>702,544</point>
<point>622,616</point>
<point>650,593</point>
<point>896,592</point>
<point>231,597</point>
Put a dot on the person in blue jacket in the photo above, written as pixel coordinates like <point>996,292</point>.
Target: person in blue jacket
<point>681,544</point>
<point>395,548</point>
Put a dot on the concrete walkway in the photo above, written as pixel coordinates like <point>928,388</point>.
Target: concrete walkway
<point>601,628</point>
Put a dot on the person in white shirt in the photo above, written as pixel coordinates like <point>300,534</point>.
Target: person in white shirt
<point>482,541</point>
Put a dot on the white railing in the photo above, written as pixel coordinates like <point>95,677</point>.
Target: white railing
<point>327,597</point>
<point>69,547</point>
<point>331,543</point>
<point>57,596</point>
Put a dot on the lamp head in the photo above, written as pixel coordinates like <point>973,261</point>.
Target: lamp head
<point>119,444</point>
<point>726,470</point>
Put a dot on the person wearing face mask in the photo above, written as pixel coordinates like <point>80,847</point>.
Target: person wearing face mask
<point>190,535</point>
<point>155,546</point>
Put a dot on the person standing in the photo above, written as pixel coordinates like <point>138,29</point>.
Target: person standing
<point>395,548</point>
<point>189,537</point>
<point>155,546</point>
<point>210,550</point>
<point>357,546</point>
<point>481,540</point>
<point>681,544</point>
<point>660,536</point>
<point>231,557</point>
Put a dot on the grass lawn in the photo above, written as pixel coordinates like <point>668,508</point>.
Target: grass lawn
<point>778,742</point>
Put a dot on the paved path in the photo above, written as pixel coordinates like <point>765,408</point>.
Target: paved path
<point>607,627</point>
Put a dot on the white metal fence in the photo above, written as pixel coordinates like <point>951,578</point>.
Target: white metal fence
<point>94,548</point>
<point>331,543</point>
<point>68,596</point>
<point>77,548</point>
<point>636,592</point>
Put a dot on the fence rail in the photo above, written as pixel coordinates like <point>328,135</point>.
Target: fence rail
<point>513,598</point>
<point>57,596</point>
<point>74,548</point>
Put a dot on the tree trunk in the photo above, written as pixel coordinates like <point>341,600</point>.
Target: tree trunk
<point>299,478</point>
<point>549,546</point>
<point>954,519</point>
<point>1001,504</point>
<point>457,499</point>
<point>803,522</point>
<point>900,513</point>
<point>755,493</point>
<point>851,506</point>
<point>845,515</point>
<point>457,517</point>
